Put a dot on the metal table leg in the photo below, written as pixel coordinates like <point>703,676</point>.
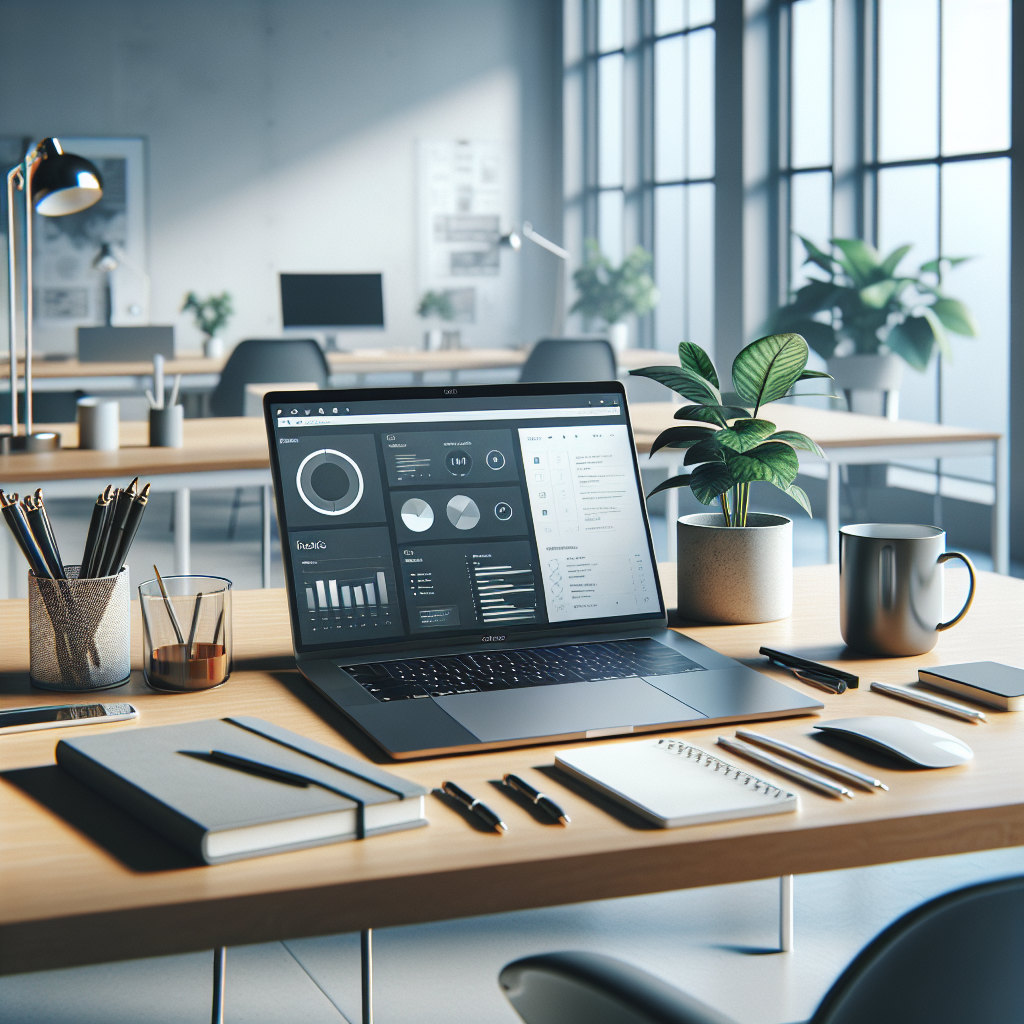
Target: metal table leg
<point>1001,510</point>
<point>366,972</point>
<point>785,913</point>
<point>266,535</point>
<point>182,532</point>
<point>220,957</point>
<point>832,515</point>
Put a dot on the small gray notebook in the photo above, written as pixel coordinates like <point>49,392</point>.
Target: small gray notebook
<point>673,783</point>
<point>164,776</point>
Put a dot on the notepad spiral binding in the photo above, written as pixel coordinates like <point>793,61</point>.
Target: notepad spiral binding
<point>701,757</point>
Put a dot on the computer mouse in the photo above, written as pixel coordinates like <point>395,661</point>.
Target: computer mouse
<point>920,744</point>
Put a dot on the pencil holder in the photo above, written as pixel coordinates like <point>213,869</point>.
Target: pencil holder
<point>79,631</point>
<point>167,427</point>
<point>186,632</point>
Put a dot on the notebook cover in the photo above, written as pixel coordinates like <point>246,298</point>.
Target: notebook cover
<point>988,681</point>
<point>149,773</point>
<point>673,783</point>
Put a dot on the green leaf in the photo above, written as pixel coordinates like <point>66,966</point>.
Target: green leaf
<point>710,480</point>
<point>708,450</point>
<point>823,338</point>
<point>694,358</point>
<point>719,414</point>
<point>892,261</point>
<point>810,374</point>
<point>683,381</point>
<point>772,461</point>
<point>673,481</point>
<point>955,316</point>
<point>934,266</point>
<point>878,295</point>
<point>799,495</point>
<point>767,368</point>
<point>860,260</point>
<point>939,331</point>
<point>913,340</point>
<point>680,437</point>
<point>798,440</point>
<point>744,434</point>
<point>815,255</point>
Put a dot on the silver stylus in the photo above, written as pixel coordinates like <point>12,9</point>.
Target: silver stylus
<point>927,700</point>
<point>797,754</point>
<point>822,785</point>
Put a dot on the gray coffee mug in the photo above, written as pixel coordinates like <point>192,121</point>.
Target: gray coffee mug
<point>891,587</point>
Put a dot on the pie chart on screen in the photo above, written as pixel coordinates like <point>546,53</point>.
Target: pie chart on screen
<point>463,512</point>
<point>417,515</point>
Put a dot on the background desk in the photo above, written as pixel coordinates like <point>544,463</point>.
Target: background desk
<point>68,900</point>
<point>848,439</point>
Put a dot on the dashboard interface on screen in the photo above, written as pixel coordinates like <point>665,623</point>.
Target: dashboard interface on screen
<point>455,516</point>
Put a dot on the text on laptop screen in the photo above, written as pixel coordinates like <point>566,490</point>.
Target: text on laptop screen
<point>460,517</point>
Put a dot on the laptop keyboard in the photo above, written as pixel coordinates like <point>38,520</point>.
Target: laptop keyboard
<point>506,670</point>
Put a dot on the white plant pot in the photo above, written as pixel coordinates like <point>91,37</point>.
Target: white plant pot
<point>213,347</point>
<point>734,574</point>
<point>618,337</point>
<point>878,374</point>
<point>432,339</point>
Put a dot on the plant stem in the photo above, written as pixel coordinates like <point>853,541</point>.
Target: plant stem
<point>724,500</point>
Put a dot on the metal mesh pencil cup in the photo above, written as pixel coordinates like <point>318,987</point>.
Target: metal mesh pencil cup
<point>186,637</point>
<point>79,631</point>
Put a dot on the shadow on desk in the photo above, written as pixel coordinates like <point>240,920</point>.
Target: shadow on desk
<point>136,846</point>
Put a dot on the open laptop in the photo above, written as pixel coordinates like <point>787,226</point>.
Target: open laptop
<point>471,568</point>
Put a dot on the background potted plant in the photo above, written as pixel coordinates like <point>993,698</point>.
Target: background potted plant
<point>210,316</point>
<point>735,565</point>
<point>439,305</point>
<point>882,318</point>
<point>611,293</point>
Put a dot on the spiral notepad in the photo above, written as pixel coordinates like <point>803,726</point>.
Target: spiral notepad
<point>673,783</point>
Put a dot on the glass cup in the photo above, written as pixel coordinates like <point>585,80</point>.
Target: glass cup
<point>186,635</point>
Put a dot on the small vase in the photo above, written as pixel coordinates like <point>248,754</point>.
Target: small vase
<point>213,347</point>
<point>618,337</point>
<point>734,574</point>
<point>432,339</point>
<point>881,373</point>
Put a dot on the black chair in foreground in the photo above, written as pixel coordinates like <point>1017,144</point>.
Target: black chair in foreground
<point>955,960</point>
<point>569,359</point>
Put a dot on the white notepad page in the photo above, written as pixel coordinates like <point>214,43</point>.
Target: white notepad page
<point>673,783</point>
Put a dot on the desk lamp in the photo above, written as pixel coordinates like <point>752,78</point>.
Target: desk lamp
<point>514,240</point>
<point>108,259</point>
<point>55,183</point>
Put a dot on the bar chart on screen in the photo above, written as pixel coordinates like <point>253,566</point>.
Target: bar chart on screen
<point>344,596</point>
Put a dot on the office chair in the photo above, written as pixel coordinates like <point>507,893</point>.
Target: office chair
<point>569,359</point>
<point>953,960</point>
<point>264,361</point>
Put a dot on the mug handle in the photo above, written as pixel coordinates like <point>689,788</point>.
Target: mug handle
<point>945,557</point>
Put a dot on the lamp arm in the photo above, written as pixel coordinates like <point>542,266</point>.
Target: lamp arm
<point>137,270</point>
<point>30,165</point>
<point>13,175</point>
<point>543,242</point>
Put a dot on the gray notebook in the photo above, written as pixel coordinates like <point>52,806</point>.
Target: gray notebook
<point>673,783</point>
<point>165,777</point>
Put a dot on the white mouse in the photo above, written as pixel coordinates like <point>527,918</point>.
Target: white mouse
<point>921,744</point>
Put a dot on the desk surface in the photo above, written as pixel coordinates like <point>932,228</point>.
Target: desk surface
<point>68,899</point>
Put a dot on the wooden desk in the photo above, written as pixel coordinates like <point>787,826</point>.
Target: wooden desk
<point>68,900</point>
<point>850,439</point>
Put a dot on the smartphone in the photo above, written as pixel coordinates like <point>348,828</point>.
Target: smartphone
<point>56,716</point>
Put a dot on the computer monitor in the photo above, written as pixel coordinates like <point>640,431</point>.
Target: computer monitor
<point>332,302</point>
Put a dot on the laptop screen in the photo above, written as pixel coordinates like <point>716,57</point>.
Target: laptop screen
<point>425,514</point>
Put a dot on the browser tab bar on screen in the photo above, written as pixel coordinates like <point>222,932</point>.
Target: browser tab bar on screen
<point>450,416</point>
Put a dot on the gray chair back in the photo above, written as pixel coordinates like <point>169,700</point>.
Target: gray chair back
<point>957,958</point>
<point>569,359</point>
<point>267,361</point>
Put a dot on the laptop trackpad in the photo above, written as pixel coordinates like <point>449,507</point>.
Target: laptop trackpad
<point>564,708</point>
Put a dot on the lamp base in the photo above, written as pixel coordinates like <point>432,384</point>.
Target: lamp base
<point>43,441</point>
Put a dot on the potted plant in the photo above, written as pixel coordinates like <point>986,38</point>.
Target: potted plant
<point>611,293</point>
<point>735,565</point>
<point>211,316</point>
<point>435,304</point>
<point>879,319</point>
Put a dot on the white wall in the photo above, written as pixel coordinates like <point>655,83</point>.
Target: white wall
<point>281,135</point>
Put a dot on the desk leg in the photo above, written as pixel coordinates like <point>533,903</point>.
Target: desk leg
<point>182,532</point>
<point>1001,511</point>
<point>366,972</point>
<point>266,535</point>
<point>832,513</point>
<point>785,913</point>
<point>671,515</point>
<point>220,957</point>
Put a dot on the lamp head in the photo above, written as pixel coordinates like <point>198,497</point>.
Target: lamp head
<point>105,259</point>
<point>63,183</point>
<point>511,241</point>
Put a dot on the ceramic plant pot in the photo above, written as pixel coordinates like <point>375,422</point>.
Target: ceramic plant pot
<point>618,337</point>
<point>881,374</point>
<point>213,347</point>
<point>734,574</point>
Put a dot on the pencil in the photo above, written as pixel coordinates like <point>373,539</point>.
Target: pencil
<point>170,607</point>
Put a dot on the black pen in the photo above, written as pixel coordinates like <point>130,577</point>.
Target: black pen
<point>131,527</point>
<point>122,507</point>
<point>482,811</point>
<point>99,512</point>
<point>38,523</point>
<point>15,516</point>
<point>257,768</point>
<point>825,676</point>
<point>104,539</point>
<point>536,797</point>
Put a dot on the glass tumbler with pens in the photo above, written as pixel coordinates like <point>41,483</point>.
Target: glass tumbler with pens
<point>186,631</point>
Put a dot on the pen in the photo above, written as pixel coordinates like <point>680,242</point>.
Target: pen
<point>926,700</point>
<point>48,528</point>
<point>158,380</point>
<point>170,607</point>
<point>258,768</point>
<point>106,528</point>
<point>818,782</point>
<point>818,673</point>
<point>536,797</point>
<point>482,811</point>
<point>15,516</point>
<point>35,516</point>
<point>99,511</point>
<point>122,507</point>
<point>798,754</point>
<point>131,527</point>
<point>192,628</point>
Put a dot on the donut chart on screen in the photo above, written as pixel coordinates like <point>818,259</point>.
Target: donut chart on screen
<point>329,482</point>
